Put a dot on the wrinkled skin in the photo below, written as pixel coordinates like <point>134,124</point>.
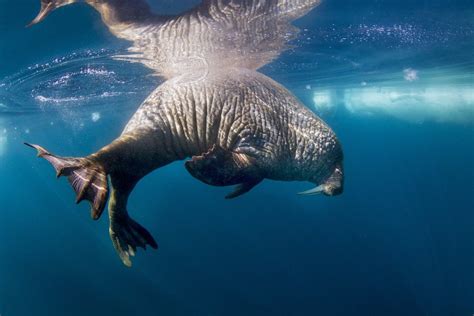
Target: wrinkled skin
<point>235,126</point>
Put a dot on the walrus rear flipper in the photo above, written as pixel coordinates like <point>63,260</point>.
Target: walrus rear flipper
<point>127,235</point>
<point>87,178</point>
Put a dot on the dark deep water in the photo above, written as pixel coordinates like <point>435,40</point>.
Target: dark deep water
<point>394,79</point>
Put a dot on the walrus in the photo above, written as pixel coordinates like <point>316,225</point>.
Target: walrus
<point>234,125</point>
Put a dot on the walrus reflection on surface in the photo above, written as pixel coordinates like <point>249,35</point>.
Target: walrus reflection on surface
<point>238,125</point>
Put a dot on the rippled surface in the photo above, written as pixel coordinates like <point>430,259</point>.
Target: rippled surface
<point>78,82</point>
<point>338,64</point>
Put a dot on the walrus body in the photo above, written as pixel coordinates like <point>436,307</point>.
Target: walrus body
<point>235,124</point>
<point>239,111</point>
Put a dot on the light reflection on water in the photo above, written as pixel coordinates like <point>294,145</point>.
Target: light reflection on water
<point>417,103</point>
<point>3,138</point>
<point>389,80</point>
<point>71,83</point>
<point>443,94</point>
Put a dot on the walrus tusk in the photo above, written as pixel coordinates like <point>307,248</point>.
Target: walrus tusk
<point>317,190</point>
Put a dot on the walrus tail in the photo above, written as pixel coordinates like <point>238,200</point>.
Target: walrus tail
<point>87,178</point>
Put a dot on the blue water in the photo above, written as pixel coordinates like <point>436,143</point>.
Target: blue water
<point>394,79</point>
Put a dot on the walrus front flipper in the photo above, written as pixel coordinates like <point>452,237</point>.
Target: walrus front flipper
<point>220,167</point>
<point>88,179</point>
<point>243,188</point>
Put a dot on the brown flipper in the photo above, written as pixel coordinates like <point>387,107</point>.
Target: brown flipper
<point>127,235</point>
<point>243,188</point>
<point>220,167</point>
<point>87,178</point>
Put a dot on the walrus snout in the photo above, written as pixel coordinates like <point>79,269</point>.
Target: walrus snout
<point>331,190</point>
<point>335,184</point>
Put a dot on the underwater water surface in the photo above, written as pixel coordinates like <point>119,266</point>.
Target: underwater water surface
<point>393,79</point>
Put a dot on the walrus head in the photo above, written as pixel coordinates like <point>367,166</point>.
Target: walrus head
<point>334,185</point>
<point>328,175</point>
<point>47,6</point>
